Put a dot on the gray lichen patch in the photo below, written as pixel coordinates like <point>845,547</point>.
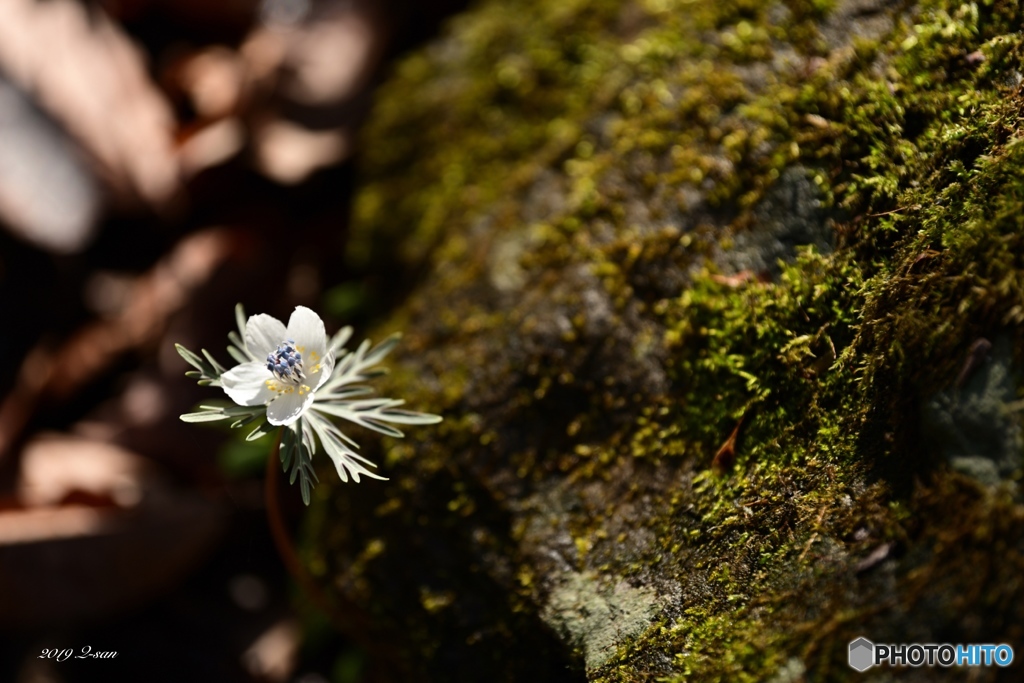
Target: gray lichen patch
<point>506,274</point>
<point>791,215</point>
<point>976,427</point>
<point>793,671</point>
<point>597,617</point>
<point>857,19</point>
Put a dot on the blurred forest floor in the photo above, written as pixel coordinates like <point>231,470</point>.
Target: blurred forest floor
<point>161,160</point>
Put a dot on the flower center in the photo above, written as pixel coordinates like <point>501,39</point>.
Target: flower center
<point>286,363</point>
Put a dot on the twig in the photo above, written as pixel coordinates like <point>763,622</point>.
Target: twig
<point>896,210</point>
<point>56,375</point>
<point>814,536</point>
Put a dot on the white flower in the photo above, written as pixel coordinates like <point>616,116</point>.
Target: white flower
<point>299,380</point>
<point>290,365</point>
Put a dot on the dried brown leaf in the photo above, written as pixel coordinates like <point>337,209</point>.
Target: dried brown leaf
<point>86,73</point>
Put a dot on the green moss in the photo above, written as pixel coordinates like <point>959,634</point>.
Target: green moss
<point>564,183</point>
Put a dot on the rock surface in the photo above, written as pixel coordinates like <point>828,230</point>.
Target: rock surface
<point>692,282</point>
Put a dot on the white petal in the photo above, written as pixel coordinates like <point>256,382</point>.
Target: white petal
<point>307,329</point>
<point>263,333</point>
<point>246,384</point>
<point>287,408</point>
<point>326,368</point>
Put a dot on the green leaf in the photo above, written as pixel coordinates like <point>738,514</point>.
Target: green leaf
<point>235,339</point>
<point>217,367</point>
<point>248,419</point>
<point>240,320</point>
<point>343,394</point>
<point>409,417</point>
<point>237,355</point>
<point>232,409</point>
<point>340,338</point>
<point>287,448</point>
<point>207,416</point>
<point>383,349</point>
<point>190,358</point>
<point>346,461</point>
<point>261,431</point>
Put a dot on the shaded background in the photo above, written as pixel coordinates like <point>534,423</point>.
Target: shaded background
<point>161,160</point>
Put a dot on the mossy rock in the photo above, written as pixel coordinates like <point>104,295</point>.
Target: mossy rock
<point>705,290</point>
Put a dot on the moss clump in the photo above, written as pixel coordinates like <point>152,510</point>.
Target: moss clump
<point>633,421</point>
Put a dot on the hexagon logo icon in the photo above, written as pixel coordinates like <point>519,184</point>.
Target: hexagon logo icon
<point>862,654</point>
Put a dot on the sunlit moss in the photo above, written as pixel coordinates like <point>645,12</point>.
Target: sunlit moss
<point>561,180</point>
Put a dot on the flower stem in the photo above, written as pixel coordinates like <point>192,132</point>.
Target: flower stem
<point>285,547</point>
<point>351,621</point>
